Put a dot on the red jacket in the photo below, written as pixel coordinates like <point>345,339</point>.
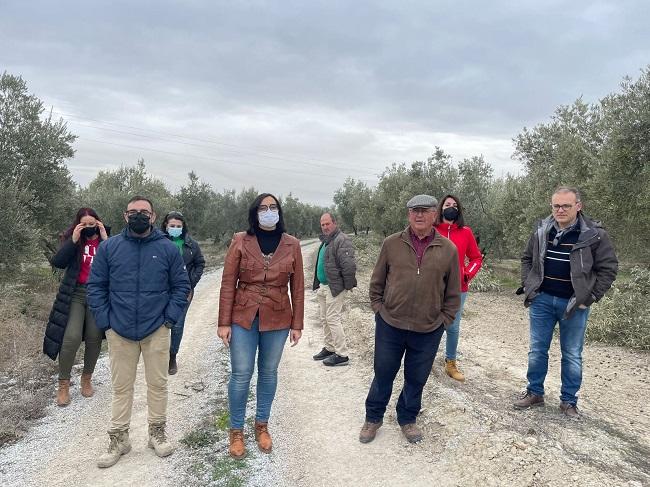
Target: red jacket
<point>465,242</point>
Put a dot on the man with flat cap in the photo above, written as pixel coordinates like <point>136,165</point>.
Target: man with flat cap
<point>415,294</point>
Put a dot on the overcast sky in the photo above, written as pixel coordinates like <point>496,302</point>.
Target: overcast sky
<point>292,96</point>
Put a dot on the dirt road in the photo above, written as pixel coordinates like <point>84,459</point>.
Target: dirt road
<point>473,436</point>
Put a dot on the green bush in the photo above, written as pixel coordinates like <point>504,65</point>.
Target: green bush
<point>485,281</point>
<point>622,317</point>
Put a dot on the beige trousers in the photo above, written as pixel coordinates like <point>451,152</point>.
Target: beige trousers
<point>331,317</point>
<point>124,356</point>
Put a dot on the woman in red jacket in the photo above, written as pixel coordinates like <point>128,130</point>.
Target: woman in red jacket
<point>450,224</point>
<point>263,265</point>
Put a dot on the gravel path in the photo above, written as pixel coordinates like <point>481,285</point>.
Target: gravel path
<point>63,447</point>
<point>472,435</point>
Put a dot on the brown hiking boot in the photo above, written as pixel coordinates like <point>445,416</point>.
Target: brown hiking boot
<point>451,368</point>
<point>263,438</point>
<point>158,440</point>
<point>63,393</point>
<point>412,432</point>
<point>528,400</point>
<point>118,445</point>
<point>369,431</point>
<point>237,448</point>
<point>86,386</point>
<point>569,410</point>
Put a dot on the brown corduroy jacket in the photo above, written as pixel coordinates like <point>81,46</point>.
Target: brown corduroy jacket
<point>249,284</point>
<point>409,297</point>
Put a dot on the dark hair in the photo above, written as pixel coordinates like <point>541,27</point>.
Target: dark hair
<point>174,215</point>
<point>460,221</point>
<point>569,189</point>
<point>254,224</point>
<point>77,220</point>
<point>140,198</point>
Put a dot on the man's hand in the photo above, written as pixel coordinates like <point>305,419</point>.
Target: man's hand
<point>224,332</point>
<point>294,337</point>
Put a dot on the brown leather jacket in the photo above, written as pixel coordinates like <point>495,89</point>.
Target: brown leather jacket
<point>250,285</point>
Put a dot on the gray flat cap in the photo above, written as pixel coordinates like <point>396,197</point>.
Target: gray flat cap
<point>422,201</point>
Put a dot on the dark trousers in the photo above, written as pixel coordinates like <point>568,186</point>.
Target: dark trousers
<point>418,351</point>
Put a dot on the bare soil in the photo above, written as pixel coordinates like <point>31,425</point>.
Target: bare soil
<point>472,434</point>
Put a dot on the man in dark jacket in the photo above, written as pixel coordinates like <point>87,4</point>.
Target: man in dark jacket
<point>415,294</point>
<point>138,289</point>
<point>569,264</point>
<point>334,274</point>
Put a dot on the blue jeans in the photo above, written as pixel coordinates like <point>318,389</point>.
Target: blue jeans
<point>453,331</point>
<point>244,345</point>
<point>545,312</point>
<point>177,332</point>
<point>418,350</point>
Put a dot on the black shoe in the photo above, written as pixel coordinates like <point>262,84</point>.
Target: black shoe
<point>324,353</point>
<point>173,366</point>
<point>336,359</point>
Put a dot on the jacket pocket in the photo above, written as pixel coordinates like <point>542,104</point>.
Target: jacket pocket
<point>284,274</point>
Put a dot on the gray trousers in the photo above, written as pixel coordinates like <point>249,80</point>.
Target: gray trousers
<point>81,325</point>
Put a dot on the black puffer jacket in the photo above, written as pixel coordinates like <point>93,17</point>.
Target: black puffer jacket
<point>68,258</point>
<point>194,261</point>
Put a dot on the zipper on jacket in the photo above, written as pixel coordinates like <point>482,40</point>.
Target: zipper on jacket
<point>137,288</point>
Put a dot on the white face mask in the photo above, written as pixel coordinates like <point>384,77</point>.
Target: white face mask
<point>268,218</point>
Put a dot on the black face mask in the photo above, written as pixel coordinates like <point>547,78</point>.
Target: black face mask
<point>450,214</point>
<point>89,232</point>
<point>139,223</point>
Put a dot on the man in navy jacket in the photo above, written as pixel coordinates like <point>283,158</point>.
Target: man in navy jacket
<point>138,289</point>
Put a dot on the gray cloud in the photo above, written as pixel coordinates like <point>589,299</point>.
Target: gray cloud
<point>345,87</point>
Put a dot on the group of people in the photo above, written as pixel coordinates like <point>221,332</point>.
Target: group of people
<point>135,287</point>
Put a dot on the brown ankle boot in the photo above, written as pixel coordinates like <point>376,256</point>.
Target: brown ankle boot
<point>86,387</point>
<point>263,438</point>
<point>237,448</point>
<point>63,393</point>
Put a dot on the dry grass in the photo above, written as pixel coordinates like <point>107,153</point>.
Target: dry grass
<point>25,373</point>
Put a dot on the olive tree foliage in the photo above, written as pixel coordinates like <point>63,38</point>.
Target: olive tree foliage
<point>353,206</point>
<point>38,192</point>
<point>399,183</point>
<point>111,190</point>
<point>195,202</point>
<point>602,149</point>
<point>302,220</point>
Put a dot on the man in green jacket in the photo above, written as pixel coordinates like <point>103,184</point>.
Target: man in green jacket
<point>415,293</point>
<point>334,275</point>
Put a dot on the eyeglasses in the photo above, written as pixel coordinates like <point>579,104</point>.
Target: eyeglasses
<point>420,210</point>
<point>263,208</point>
<point>561,207</point>
<point>138,212</point>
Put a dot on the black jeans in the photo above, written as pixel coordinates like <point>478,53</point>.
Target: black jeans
<point>418,350</point>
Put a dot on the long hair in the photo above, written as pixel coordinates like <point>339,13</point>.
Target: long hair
<point>460,221</point>
<point>254,224</point>
<point>174,215</point>
<point>77,220</point>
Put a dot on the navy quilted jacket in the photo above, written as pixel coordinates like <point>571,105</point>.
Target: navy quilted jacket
<point>136,284</point>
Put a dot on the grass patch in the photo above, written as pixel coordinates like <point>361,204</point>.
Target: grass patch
<point>25,373</point>
<point>622,317</point>
<point>214,254</point>
<point>230,471</point>
<point>222,421</point>
<point>199,438</point>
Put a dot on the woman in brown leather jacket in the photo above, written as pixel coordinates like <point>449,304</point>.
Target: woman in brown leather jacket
<point>256,314</point>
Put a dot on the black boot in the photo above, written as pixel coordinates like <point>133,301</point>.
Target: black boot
<point>173,366</point>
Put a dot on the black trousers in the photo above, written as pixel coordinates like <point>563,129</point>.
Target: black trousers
<point>391,345</point>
